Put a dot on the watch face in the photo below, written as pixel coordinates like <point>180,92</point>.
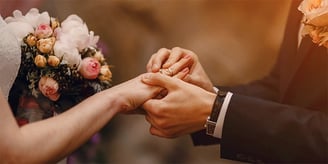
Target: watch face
<point>222,93</point>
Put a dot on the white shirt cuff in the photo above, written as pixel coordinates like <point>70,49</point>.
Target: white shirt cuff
<point>219,123</point>
<point>216,90</point>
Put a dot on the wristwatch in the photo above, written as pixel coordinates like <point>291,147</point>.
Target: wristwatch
<point>211,120</point>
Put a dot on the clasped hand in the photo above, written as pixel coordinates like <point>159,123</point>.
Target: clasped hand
<point>187,94</point>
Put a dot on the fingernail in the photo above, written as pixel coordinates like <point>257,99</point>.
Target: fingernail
<point>166,65</point>
<point>185,70</point>
<point>155,67</point>
<point>187,57</point>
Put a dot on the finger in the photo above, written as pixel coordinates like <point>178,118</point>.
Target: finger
<point>157,132</point>
<point>192,79</point>
<point>198,81</point>
<point>160,80</point>
<point>150,63</point>
<point>175,56</point>
<point>167,72</point>
<point>150,106</point>
<point>150,120</point>
<point>162,94</point>
<point>159,58</point>
<point>182,74</point>
<point>185,62</point>
<point>160,133</point>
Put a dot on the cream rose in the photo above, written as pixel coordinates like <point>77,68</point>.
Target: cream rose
<point>54,23</point>
<point>53,61</point>
<point>90,68</point>
<point>99,56</point>
<point>40,61</point>
<point>46,45</point>
<point>31,40</point>
<point>49,88</point>
<point>105,73</point>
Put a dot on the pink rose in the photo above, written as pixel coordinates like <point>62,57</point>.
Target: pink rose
<point>43,31</point>
<point>90,68</point>
<point>49,88</point>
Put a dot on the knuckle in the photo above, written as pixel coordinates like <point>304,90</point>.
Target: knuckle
<point>177,49</point>
<point>162,50</point>
<point>162,124</point>
<point>169,134</point>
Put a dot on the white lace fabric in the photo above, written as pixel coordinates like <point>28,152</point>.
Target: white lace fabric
<point>10,58</point>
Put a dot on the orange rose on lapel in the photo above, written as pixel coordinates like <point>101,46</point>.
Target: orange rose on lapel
<point>315,20</point>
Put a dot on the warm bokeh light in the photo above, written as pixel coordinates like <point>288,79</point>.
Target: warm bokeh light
<point>237,41</point>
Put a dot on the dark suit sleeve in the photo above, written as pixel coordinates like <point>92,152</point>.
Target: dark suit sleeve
<point>257,130</point>
<point>264,89</point>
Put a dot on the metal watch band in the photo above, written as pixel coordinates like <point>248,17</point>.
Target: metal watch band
<point>211,121</point>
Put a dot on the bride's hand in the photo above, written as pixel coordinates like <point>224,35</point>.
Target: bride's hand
<point>133,93</point>
<point>176,61</point>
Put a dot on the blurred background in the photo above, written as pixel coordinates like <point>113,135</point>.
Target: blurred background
<point>237,41</point>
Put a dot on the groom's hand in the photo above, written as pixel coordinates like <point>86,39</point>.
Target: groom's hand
<point>176,61</point>
<point>183,110</point>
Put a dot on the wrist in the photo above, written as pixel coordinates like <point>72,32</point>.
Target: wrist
<point>210,98</point>
<point>216,108</point>
<point>113,102</point>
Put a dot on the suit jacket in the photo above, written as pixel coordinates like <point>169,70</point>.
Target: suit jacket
<point>283,117</point>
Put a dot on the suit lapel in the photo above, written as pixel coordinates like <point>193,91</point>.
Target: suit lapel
<point>304,49</point>
<point>295,63</point>
<point>289,52</point>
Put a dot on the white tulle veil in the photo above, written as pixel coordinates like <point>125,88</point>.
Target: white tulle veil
<point>10,58</point>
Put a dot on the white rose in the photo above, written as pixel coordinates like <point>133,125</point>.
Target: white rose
<point>79,37</point>
<point>72,21</point>
<point>93,39</point>
<point>78,32</point>
<point>33,17</point>
<point>23,25</point>
<point>68,53</point>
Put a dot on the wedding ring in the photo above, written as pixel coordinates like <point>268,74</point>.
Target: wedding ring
<point>170,72</point>
<point>167,72</point>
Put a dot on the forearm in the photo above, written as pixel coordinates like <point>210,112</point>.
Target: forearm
<point>68,130</point>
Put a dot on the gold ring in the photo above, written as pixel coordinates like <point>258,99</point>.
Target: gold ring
<point>170,71</point>
<point>167,72</point>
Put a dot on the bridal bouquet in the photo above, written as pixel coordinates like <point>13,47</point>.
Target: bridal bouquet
<point>60,63</point>
<point>315,20</point>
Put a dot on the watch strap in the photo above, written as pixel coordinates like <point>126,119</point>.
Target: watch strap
<point>211,120</point>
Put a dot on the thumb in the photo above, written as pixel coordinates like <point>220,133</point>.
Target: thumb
<point>158,79</point>
<point>151,106</point>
